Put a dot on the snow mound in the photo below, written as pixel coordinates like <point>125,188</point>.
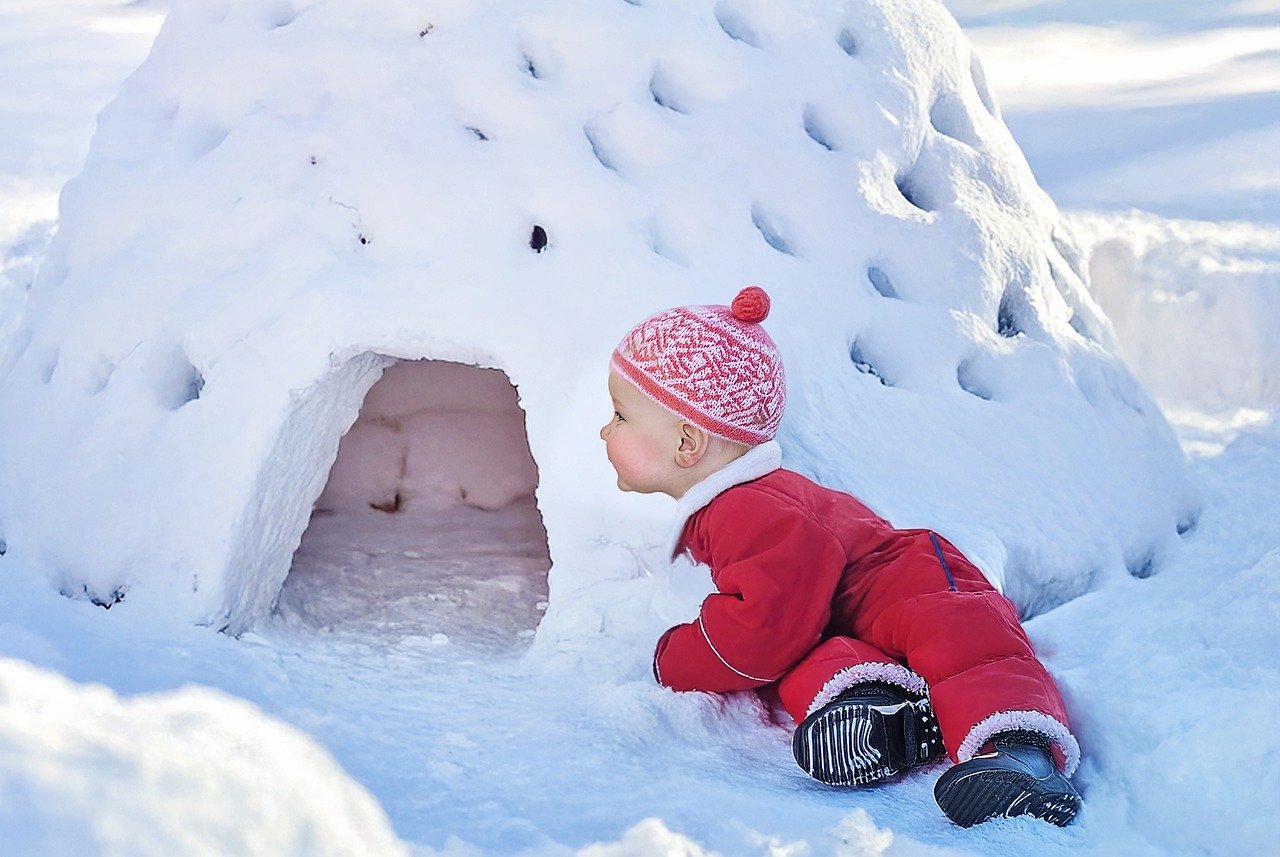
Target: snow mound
<point>285,199</point>
<point>195,771</point>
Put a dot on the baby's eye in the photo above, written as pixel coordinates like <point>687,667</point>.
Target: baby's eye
<point>617,416</point>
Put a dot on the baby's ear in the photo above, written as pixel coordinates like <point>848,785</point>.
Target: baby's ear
<point>693,445</point>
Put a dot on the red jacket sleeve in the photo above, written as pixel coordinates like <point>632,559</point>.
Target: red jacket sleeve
<point>775,569</point>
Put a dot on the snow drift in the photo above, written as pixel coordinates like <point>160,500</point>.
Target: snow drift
<point>1180,281</point>
<point>194,771</point>
<point>285,198</point>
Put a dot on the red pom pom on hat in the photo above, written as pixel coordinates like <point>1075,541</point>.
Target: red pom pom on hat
<point>714,365</point>
<point>751,305</point>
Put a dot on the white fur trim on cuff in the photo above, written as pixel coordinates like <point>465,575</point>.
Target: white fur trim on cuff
<point>869,671</point>
<point>1031,721</point>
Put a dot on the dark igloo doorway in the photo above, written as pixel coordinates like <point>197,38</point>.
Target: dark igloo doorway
<point>428,525</point>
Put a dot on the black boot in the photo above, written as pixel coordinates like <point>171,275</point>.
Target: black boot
<point>1019,778</point>
<point>871,731</point>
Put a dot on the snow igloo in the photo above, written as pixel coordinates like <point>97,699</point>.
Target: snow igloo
<point>289,199</point>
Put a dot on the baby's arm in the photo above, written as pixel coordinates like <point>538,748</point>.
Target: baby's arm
<point>775,570</point>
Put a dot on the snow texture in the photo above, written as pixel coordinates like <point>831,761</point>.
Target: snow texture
<point>285,198</point>
<point>193,771</point>
<point>60,62</point>
<point>1179,281</point>
<point>1172,108</point>
<point>460,574</point>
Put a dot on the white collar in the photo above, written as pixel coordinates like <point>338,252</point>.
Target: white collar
<point>756,462</point>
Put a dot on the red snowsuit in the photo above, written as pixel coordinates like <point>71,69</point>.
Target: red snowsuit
<point>817,592</point>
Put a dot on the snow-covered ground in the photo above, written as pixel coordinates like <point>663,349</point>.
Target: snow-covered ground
<point>1173,108</point>
<point>1168,677</point>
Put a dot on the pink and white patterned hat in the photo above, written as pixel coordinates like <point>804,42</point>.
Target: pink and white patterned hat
<point>713,365</point>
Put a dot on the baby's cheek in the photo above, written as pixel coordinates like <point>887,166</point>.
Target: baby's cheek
<point>619,455</point>
<point>627,458</point>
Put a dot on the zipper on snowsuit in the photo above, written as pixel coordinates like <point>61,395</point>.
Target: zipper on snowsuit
<point>937,548</point>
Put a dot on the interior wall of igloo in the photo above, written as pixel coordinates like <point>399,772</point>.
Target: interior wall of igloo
<point>282,188</point>
<point>427,525</point>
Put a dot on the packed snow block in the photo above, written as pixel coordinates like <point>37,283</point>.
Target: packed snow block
<point>285,200</point>
<point>368,470</point>
<point>433,435</point>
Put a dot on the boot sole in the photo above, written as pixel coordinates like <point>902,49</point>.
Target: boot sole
<point>982,795</point>
<point>849,745</point>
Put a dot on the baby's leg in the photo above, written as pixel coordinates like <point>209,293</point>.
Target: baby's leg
<point>963,637</point>
<point>836,665</point>
<point>862,717</point>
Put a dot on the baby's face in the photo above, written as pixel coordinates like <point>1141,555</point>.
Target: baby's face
<point>641,440</point>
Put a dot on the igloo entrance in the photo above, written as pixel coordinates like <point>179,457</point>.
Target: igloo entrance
<point>428,523</point>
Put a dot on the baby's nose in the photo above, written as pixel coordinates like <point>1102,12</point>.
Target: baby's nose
<point>604,431</point>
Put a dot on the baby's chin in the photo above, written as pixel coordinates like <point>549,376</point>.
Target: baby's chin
<point>631,489</point>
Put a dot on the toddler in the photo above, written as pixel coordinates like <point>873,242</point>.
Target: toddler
<point>886,646</point>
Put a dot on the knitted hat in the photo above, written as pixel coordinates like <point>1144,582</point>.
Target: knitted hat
<point>713,365</point>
